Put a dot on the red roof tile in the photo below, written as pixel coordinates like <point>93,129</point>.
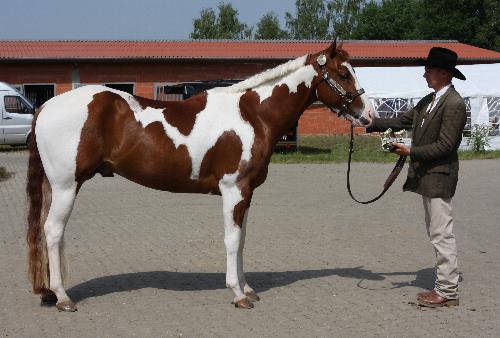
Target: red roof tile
<point>225,49</point>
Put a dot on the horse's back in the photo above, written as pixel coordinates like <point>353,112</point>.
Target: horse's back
<point>177,146</point>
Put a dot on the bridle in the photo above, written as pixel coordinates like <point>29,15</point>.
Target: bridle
<point>346,97</point>
<point>346,100</point>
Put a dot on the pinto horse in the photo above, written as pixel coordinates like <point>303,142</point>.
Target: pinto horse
<point>218,142</point>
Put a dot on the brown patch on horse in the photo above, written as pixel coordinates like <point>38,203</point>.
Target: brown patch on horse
<point>179,114</point>
<point>223,158</point>
<point>150,157</point>
<point>106,146</point>
<point>156,162</point>
<point>270,122</point>
<point>104,111</point>
<point>242,206</point>
<point>341,57</point>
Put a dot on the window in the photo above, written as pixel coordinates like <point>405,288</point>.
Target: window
<point>14,104</point>
<point>38,94</point>
<point>170,92</point>
<point>183,91</point>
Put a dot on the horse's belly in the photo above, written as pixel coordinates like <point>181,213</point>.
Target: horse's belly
<point>162,174</point>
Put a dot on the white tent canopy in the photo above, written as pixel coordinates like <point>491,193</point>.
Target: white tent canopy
<point>482,84</point>
<point>408,82</point>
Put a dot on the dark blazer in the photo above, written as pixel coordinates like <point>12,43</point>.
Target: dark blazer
<point>433,168</point>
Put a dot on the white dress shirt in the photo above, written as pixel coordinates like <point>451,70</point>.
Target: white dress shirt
<point>438,94</point>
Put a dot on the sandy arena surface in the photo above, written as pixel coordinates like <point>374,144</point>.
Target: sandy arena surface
<point>144,263</point>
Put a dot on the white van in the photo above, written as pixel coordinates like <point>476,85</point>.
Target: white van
<point>16,114</point>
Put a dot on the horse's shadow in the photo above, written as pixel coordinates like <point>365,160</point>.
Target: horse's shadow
<point>261,281</point>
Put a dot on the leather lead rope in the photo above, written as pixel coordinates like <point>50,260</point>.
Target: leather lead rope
<point>388,182</point>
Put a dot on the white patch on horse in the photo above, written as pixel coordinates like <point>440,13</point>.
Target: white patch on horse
<point>63,115</point>
<point>291,74</point>
<point>303,75</point>
<point>230,192</point>
<point>231,196</point>
<point>150,115</point>
<point>367,105</point>
<point>221,114</point>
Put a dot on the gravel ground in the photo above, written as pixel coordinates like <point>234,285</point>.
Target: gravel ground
<point>147,263</point>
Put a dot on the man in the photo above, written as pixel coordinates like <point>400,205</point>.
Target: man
<point>437,122</point>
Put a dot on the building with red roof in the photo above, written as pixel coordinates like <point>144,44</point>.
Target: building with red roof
<point>42,69</point>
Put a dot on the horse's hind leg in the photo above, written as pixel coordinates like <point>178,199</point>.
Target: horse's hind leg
<point>63,198</point>
<point>249,292</point>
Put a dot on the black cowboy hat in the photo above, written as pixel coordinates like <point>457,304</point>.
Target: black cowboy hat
<point>443,58</point>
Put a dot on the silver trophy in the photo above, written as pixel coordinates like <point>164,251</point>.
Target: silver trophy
<point>389,137</point>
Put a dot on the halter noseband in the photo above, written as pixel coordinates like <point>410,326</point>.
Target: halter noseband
<point>346,97</point>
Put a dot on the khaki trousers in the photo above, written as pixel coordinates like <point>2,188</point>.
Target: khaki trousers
<point>439,223</point>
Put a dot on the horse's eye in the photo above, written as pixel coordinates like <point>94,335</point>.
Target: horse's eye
<point>344,76</point>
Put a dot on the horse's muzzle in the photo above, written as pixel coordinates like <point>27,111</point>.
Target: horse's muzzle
<point>364,120</point>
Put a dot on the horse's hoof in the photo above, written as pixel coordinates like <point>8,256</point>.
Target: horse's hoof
<point>66,306</point>
<point>48,299</point>
<point>252,296</point>
<point>243,303</point>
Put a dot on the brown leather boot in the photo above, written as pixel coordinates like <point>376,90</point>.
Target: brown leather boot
<point>433,299</point>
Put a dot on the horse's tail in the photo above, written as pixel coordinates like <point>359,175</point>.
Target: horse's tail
<point>39,195</point>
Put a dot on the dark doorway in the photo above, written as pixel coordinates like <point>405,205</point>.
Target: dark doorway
<point>38,94</point>
<point>124,87</point>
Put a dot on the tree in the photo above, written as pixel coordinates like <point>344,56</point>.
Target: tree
<point>388,20</point>
<point>312,21</point>
<point>205,27</point>
<point>488,32</point>
<point>344,16</point>
<point>469,21</point>
<point>225,25</point>
<point>268,28</point>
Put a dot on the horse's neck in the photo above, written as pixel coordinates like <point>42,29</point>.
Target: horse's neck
<point>287,103</point>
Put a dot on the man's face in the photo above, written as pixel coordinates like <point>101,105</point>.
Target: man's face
<point>436,77</point>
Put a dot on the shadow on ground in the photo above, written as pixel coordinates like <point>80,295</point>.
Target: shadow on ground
<point>261,281</point>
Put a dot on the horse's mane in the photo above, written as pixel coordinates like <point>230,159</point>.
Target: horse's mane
<point>265,76</point>
<point>274,73</point>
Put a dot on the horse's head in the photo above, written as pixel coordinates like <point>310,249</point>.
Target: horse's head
<point>338,88</point>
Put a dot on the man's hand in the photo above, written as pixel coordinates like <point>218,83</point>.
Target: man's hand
<point>401,149</point>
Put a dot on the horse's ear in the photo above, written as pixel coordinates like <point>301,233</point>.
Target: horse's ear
<point>332,50</point>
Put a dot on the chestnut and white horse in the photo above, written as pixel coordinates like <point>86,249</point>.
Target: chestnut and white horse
<point>217,142</point>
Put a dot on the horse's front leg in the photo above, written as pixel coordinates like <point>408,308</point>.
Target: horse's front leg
<point>235,204</point>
